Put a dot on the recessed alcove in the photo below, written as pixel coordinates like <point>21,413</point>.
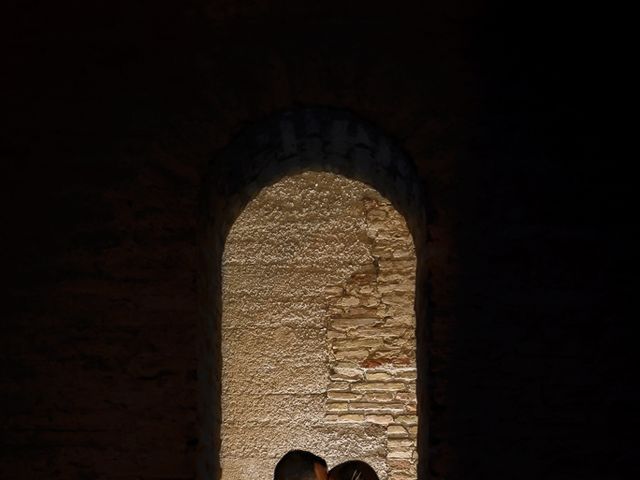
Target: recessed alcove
<point>318,330</point>
<point>349,159</point>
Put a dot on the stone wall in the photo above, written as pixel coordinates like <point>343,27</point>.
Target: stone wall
<point>372,337</point>
<point>318,330</point>
<point>115,116</point>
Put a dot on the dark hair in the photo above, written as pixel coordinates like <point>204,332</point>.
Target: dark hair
<point>353,470</point>
<point>297,465</point>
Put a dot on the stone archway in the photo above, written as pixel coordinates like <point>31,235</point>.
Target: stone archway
<point>288,144</point>
<point>318,330</point>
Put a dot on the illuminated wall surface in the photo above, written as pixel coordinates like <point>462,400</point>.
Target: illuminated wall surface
<point>318,332</point>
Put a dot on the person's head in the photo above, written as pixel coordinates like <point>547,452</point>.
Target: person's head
<point>300,465</point>
<point>353,470</point>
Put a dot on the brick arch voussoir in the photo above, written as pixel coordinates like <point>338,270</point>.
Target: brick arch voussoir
<point>318,139</point>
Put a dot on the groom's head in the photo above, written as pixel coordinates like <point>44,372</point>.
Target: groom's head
<point>300,465</point>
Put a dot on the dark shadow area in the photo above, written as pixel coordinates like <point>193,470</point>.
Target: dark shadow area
<point>543,313</point>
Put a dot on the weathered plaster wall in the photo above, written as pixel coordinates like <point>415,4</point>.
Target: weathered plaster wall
<point>318,330</point>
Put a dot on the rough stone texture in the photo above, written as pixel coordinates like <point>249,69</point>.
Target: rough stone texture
<point>317,268</point>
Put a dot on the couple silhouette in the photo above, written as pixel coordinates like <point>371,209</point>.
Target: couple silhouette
<point>303,465</point>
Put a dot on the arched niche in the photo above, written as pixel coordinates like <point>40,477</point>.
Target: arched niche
<point>318,330</point>
<point>290,143</point>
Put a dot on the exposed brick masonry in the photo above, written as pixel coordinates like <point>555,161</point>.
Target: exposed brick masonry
<point>372,338</point>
